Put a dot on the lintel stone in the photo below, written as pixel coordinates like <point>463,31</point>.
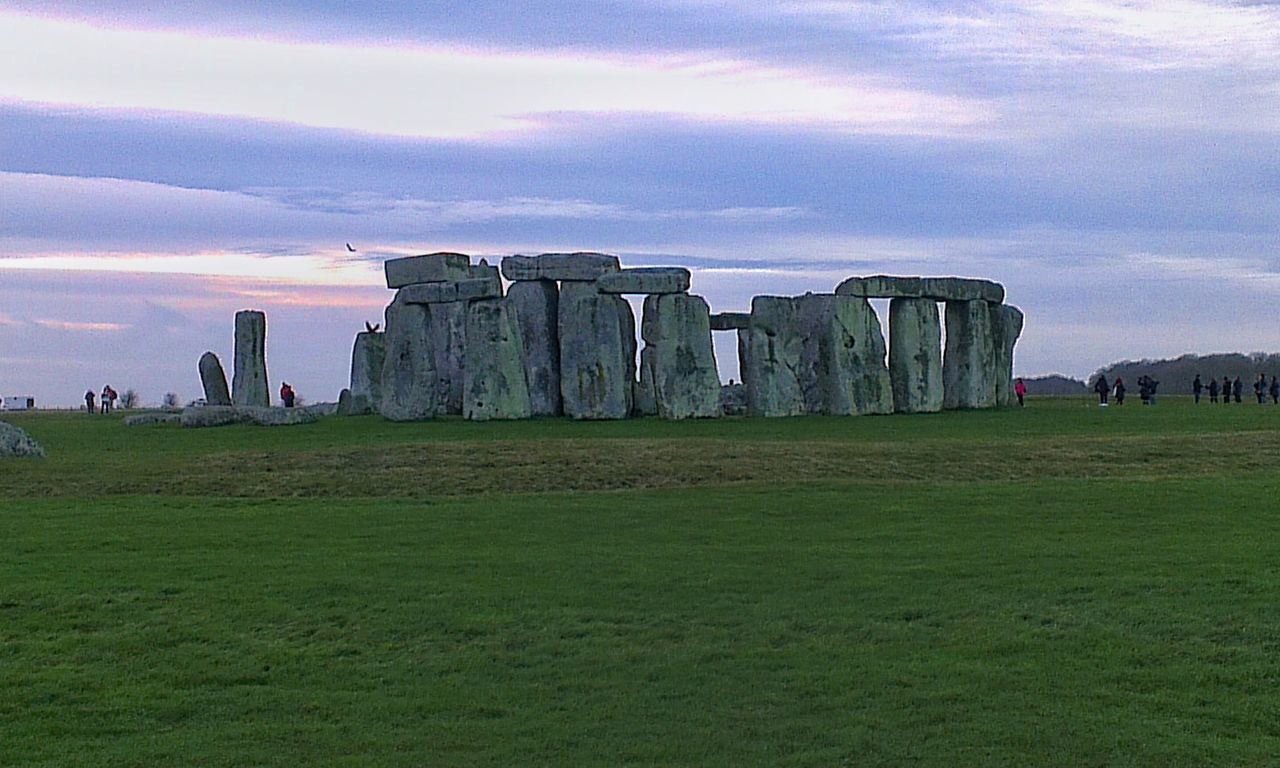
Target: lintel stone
<point>583,266</point>
<point>650,280</point>
<point>936,288</point>
<point>430,268</point>
<point>461,290</point>
<point>730,321</point>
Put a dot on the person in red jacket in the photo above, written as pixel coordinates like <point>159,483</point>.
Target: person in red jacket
<point>286,394</point>
<point>1020,389</point>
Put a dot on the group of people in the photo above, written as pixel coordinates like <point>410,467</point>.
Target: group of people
<point>1147,388</point>
<point>106,403</point>
<point>1235,388</point>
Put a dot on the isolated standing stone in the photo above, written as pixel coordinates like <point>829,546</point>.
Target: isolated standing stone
<point>678,363</point>
<point>915,355</point>
<point>1006,327</point>
<point>597,353</point>
<point>249,382</point>
<point>769,352</point>
<point>842,370</point>
<point>409,370</point>
<point>16,443</point>
<point>214,380</point>
<point>449,345</point>
<point>368,355</point>
<point>494,385</point>
<point>967,380</point>
<point>537,304</point>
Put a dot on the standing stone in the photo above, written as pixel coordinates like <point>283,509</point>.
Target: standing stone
<point>967,380</point>
<point>249,379</point>
<point>842,367</point>
<point>495,385</point>
<point>449,345</point>
<point>214,380</point>
<point>537,303</point>
<point>368,355</point>
<point>597,353</point>
<point>1006,327</point>
<point>408,371</point>
<point>915,355</point>
<point>678,363</point>
<point>769,352</point>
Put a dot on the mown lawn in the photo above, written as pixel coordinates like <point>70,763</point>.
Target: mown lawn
<point>1058,585</point>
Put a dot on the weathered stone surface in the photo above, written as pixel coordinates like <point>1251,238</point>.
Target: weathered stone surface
<point>431,268</point>
<point>842,361</point>
<point>344,402</point>
<point>449,346</point>
<point>368,355</point>
<point>730,321</point>
<point>214,380</point>
<point>915,355</point>
<point>469,289</point>
<point>218,416</point>
<point>153,417</point>
<point>537,306</point>
<point>651,280</point>
<point>409,370</point>
<point>967,380</point>
<point>678,364</point>
<point>733,400</point>
<point>769,351</point>
<point>495,386</point>
<point>16,443</point>
<point>249,379</point>
<point>321,409</point>
<point>353,405</point>
<point>1006,327</point>
<point>597,353</point>
<point>582,266</point>
<point>936,288</point>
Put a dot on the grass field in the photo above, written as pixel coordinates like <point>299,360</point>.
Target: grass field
<point>1057,585</point>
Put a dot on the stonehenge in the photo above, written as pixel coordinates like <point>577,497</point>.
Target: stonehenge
<point>249,380</point>
<point>551,335</point>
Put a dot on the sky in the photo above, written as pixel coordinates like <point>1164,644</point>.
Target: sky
<point>1116,165</point>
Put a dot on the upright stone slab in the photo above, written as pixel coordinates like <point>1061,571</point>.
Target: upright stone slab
<point>967,380</point>
<point>537,303</point>
<point>449,345</point>
<point>249,379</point>
<point>769,352</point>
<point>408,371</point>
<point>495,386</point>
<point>214,380</point>
<point>1006,327</point>
<point>368,355</point>
<point>915,355</point>
<point>678,363</point>
<point>597,353</point>
<point>842,361</point>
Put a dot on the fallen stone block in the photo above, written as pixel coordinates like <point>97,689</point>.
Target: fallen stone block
<point>147,419</point>
<point>650,280</point>
<point>15,443</point>
<point>431,268</point>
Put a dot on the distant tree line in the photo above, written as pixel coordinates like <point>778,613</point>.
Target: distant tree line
<point>1175,375</point>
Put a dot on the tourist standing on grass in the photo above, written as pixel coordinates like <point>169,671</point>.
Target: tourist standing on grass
<point>104,400</point>
<point>1196,386</point>
<point>1275,390</point>
<point>88,402</point>
<point>1237,388</point>
<point>1260,389</point>
<point>1120,390</point>
<point>1020,389</point>
<point>1226,389</point>
<point>286,395</point>
<point>1100,386</point>
<point>1152,384</point>
<point>1213,390</point>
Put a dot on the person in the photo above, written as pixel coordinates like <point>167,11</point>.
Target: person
<point>1100,386</point>
<point>104,400</point>
<point>286,394</point>
<point>1196,386</point>
<point>1260,389</point>
<point>1237,388</point>
<point>1226,389</point>
<point>1020,389</point>
<point>1152,384</point>
<point>1275,390</point>
<point>1213,390</point>
<point>112,397</point>
<point>1144,390</point>
<point>88,402</point>
<point>1120,390</point>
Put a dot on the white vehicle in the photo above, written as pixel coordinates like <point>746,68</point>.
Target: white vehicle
<point>19,403</point>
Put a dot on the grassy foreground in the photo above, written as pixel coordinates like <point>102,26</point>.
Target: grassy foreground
<point>1058,585</point>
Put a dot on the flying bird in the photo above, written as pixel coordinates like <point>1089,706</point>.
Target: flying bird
<point>349,248</point>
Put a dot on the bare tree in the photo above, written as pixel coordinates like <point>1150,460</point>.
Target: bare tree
<point>170,400</point>
<point>129,399</point>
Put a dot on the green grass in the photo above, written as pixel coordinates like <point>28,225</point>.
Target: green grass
<point>1058,585</point>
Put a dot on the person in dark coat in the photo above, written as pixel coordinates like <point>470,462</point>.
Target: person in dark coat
<point>1101,387</point>
<point>1237,388</point>
<point>1144,390</point>
<point>1275,390</point>
<point>1226,389</point>
<point>1152,384</point>
<point>1196,386</point>
<point>1260,389</point>
<point>88,402</point>
<point>1120,390</point>
<point>1213,390</point>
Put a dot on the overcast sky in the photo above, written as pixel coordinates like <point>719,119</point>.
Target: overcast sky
<point>1115,164</point>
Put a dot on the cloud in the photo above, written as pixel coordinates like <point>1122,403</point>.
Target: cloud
<point>73,325</point>
<point>440,92</point>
